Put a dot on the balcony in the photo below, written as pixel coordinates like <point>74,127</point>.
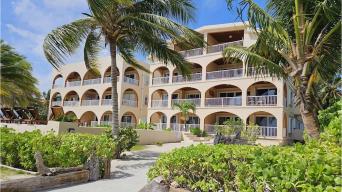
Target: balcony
<point>90,102</point>
<point>54,86</point>
<point>159,126</point>
<point>56,103</point>
<point>220,47</point>
<point>223,74</point>
<point>160,80</point>
<point>109,79</point>
<point>223,101</point>
<point>196,101</point>
<point>92,81</point>
<point>181,78</point>
<point>159,103</point>
<point>267,131</point>
<point>131,81</point>
<point>73,83</point>
<point>128,102</point>
<point>106,102</point>
<point>71,103</point>
<point>191,52</point>
<point>265,100</point>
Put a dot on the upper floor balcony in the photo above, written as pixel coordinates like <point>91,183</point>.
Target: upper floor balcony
<point>130,98</point>
<point>91,78</point>
<point>159,99</point>
<point>186,94</point>
<point>262,94</point>
<point>90,98</point>
<point>71,99</point>
<point>73,79</point>
<point>223,95</point>
<point>223,69</point>
<point>131,76</point>
<point>160,76</point>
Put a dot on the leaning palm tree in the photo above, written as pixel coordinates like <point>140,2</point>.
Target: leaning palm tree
<point>185,109</point>
<point>18,87</point>
<point>305,47</point>
<point>126,27</point>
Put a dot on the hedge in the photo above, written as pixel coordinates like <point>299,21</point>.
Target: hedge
<point>67,150</point>
<point>315,166</point>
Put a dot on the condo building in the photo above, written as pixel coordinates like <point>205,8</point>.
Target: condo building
<point>220,91</point>
<point>87,95</point>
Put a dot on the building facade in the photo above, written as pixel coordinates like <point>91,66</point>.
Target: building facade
<point>87,95</point>
<point>222,90</point>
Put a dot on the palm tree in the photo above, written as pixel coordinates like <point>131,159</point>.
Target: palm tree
<point>185,109</point>
<point>300,48</point>
<point>126,26</point>
<point>18,87</point>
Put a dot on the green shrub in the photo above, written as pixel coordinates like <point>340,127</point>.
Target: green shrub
<point>145,125</point>
<point>198,132</point>
<point>312,167</point>
<point>67,118</point>
<point>125,140</point>
<point>17,149</point>
<point>327,115</point>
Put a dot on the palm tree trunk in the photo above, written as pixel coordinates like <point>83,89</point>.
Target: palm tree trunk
<point>114,74</point>
<point>310,121</point>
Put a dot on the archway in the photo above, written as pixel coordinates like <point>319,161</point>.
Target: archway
<point>91,77</point>
<point>128,119</point>
<point>90,97</point>
<point>179,123</point>
<point>159,120</point>
<point>266,122</point>
<point>186,94</point>
<point>71,99</point>
<point>223,95</point>
<point>107,75</point>
<point>159,98</point>
<point>217,119</point>
<point>89,119</point>
<point>262,93</point>
<point>222,69</point>
<point>196,74</point>
<point>56,99</point>
<point>130,98</point>
<point>131,76</point>
<point>73,79</point>
<point>58,81</point>
<point>160,76</point>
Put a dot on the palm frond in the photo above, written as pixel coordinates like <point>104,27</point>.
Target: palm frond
<point>91,51</point>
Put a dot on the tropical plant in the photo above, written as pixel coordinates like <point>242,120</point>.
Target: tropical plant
<point>309,49</point>
<point>145,125</point>
<point>126,26</point>
<point>18,87</point>
<point>185,109</point>
<point>328,92</point>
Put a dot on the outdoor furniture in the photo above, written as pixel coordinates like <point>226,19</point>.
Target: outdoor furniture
<point>34,113</point>
<point>7,115</point>
<point>24,114</point>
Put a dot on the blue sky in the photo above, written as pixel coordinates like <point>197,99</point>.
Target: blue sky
<point>25,23</point>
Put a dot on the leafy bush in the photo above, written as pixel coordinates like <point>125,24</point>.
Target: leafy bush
<point>125,140</point>
<point>17,149</point>
<point>198,132</point>
<point>66,118</point>
<point>145,125</point>
<point>327,115</point>
<point>311,167</point>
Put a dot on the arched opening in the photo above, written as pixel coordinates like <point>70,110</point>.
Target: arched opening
<point>196,74</point>
<point>106,119</point>
<point>217,119</point>
<point>88,119</point>
<point>223,95</point>
<point>266,122</point>
<point>73,79</point>
<point>222,69</point>
<point>131,76</point>
<point>181,123</point>
<point>128,119</point>
<point>91,78</point>
<point>160,76</point>
<point>56,99</point>
<point>58,81</point>
<point>262,93</point>
<point>71,116</point>
<point>90,98</point>
<point>107,97</point>
<point>186,94</point>
<point>71,99</point>
<point>130,98</point>
<point>107,75</point>
<point>159,98</point>
<point>159,120</point>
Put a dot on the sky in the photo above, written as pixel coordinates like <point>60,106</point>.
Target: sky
<point>25,23</point>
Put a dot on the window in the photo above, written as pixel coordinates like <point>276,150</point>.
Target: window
<point>108,96</point>
<point>164,97</point>
<point>261,92</point>
<point>146,100</point>
<point>221,120</point>
<point>127,119</point>
<point>107,117</point>
<point>130,76</point>
<point>193,120</point>
<point>193,96</point>
<point>266,121</point>
<point>129,95</point>
<point>174,96</point>
<point>163,119</point>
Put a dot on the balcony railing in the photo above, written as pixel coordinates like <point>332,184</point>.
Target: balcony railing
<point>159,103</point>
<point>192,52</point>
<point>182,127</point>
<point>265,131</point>
<point>73,83</point>
<point>109,79</point>
<point>220,47</point>
<point>127,124</point>
<point>128,102</point>
<point>56,103</point>
<point>159,126</point>
<point>106,102</point>
<point>90,102</point>
<point>196,101</point>
<point>160,80</point>
<point>131,81</point>
<point>56,86</point>
<point>193,77</point>
<point>222,74</point>
<point>92,81</point>
<point>71,103</point>
<point>270,100</point>
<point>223,101</point>
<point>105,123</point>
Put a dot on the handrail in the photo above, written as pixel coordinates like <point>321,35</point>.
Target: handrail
<point>262,100</point>
<point>229,73</point>
<point>71,103</point>
<point>191,52</point>
<point>131,81</point>
<point>220,47</point>
<point>73,83</point>
<point>159,103</point>
<point>160,80</point>
<point>192,77</point>
<point>223,101</point>
<point>106,102</point>
<point>90,102</point>
<point>92,81</point>
<point>128,102</point>
<point>196,101</point>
